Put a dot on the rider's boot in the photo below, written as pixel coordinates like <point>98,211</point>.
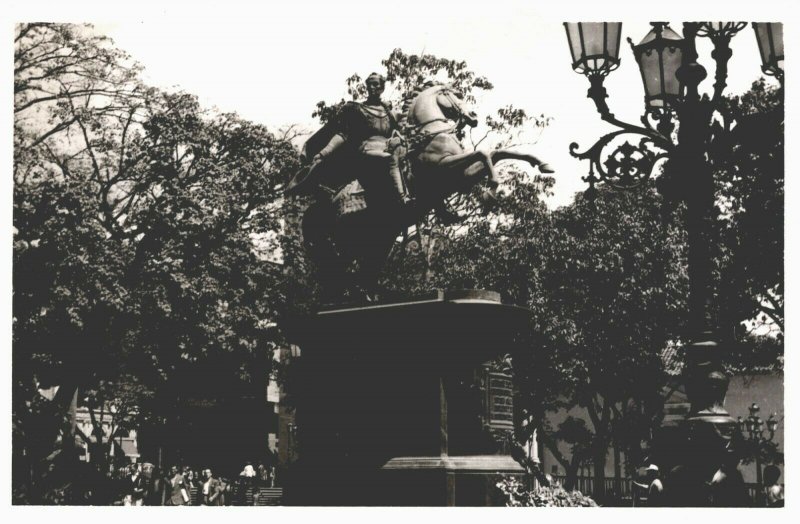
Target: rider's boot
<point>397,181</point>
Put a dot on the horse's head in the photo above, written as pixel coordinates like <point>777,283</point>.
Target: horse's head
<point>454,107</point>
<point>440,102</point>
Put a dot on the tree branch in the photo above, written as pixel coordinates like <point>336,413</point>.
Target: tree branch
<point>552,445</point>
<point>88,142</point>
<point>72,94</point>
<point>57,129</point>
<point>775,312</point>
<point>592,410</point>
<point>26,28</point>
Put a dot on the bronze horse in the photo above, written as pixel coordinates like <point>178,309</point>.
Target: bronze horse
<point>354,225</point>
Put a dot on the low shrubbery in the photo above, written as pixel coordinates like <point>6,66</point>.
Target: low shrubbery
<point>518,495</point>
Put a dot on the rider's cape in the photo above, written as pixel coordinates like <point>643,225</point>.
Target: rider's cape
<point>336,170</point>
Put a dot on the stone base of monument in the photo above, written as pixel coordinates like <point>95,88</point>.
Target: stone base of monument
<point>386,408</point>
<point>448,480</point>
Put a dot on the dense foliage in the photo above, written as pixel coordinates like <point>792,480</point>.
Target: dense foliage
<point>749,170</point>
<point>141,222</point>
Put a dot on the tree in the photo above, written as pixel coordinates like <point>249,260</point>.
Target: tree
<point>574,433</point>
<point>68,304</point>
<point>749,171</point>
<point>77,104</point>
<point>123,404</point>
<point>616,273</point>
<point>65,71</point>
<point>141,222</point>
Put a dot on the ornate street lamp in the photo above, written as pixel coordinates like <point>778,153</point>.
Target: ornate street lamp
<point>753,429</point>
<point>671,76</point>
<point>594,46</point>
<point>659,57</point>
<point>753,426</point>
<point>595,53</point>
<point>770,44</point>
<point>720,34</point>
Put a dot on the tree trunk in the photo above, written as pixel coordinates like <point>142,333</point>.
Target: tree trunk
<point>599,463</point>
<point>571,475</point>
<point>98,451</point>
<point>617,471</point>
<point>571,466</point>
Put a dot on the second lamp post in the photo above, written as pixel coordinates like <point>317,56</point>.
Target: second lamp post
<point>671,75</point>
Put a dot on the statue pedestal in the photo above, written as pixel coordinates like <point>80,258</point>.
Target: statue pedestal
<point>386,407</point>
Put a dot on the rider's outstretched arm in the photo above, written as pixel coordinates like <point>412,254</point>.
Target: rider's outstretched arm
<point>336,141</point>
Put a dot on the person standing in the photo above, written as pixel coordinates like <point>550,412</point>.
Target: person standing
<point>225,497</point>
<point>263,475</point>
<point>246,483</point>
<point>190,481</point>
<point>772,490</point>
<point>727,488</point>
<point>155,486</point>
<point>128,476</point>
<point>212,490</point>
<point>179,494</point>
<point>655,488</point>
<point>138,484</point>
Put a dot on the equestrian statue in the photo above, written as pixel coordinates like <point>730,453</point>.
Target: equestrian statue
<point>374,173</point>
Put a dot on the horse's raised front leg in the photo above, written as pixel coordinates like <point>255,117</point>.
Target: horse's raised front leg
<point>504,154</point>
<point>466,161</point>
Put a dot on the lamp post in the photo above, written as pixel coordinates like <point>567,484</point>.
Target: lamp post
<point>753,429</point>
<point>671,75</point>
<point>770,45</point>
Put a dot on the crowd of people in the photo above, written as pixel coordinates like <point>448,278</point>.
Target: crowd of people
<point>146,485</point>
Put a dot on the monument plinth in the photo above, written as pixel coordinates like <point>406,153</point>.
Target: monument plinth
<point>386,412</point>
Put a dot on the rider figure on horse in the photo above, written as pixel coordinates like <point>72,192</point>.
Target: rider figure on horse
<point>368,135</point>
<point>356,159</point>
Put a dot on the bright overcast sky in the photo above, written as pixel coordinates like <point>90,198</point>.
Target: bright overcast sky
<point>271,65</point>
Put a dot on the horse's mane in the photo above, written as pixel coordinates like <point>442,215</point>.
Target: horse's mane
<point>411,96</point>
